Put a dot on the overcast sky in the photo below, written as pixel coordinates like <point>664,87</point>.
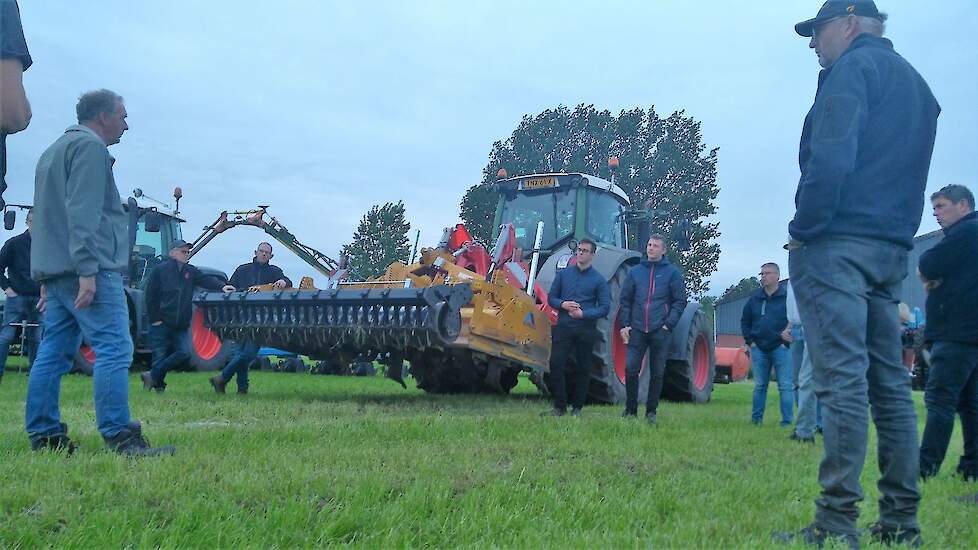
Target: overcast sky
<point>322,109</point>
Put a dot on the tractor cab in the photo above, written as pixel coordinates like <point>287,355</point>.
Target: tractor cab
<point>153,226</point>
<point>571,206</point>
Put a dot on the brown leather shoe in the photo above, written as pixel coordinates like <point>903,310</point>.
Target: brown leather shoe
<point>218,382</point>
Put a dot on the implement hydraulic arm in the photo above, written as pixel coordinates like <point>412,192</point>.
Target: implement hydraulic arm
<point>334,271</point>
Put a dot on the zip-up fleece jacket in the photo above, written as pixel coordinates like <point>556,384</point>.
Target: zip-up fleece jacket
<point>80,227</point>
<point>865,148</point>
<point>588,288</point>
<point>170,290</point>
<point>653,296</point>
<point>952,307</point>
<point>15,259</point>
<point>764,318</point>
<point>254,273</point>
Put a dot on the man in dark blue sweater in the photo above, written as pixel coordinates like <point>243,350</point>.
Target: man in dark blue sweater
<point>580,295</point>
<point>864,156</point>
<point>653,298</point>
<point>764,325</point>
<point>950,272</point>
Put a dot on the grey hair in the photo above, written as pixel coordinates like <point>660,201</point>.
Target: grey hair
<point>955,193</point>
<point>92,104</point>
<point>872,25</point>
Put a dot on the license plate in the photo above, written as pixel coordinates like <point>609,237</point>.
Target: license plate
<point>539,183</point>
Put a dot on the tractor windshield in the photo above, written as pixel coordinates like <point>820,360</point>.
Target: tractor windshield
<point>554,206</point>
<point>605,223</point>
<point>151,248</point>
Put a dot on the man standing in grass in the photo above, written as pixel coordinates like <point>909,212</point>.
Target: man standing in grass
<point>653,299</point>
<point>78,254</point>
<point>22,294</point>
<point>864,156</point>
<point>950,274</point>
<point>580,295</point>
<point>763,325</point>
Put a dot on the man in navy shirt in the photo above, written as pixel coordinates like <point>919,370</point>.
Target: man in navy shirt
<point>580,295</point>
<point>764,325</point>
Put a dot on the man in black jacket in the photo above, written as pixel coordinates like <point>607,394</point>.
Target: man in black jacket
<point>22,294</point>
<point>652,300</point>
<point>763,325</point>
<point>257,272</point>
<point>169,295</point>
<point>950,273</point>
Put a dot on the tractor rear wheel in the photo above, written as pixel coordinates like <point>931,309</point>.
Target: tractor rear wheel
<point>691,379</point>
<point>207,351</point>
<point>84,362</point>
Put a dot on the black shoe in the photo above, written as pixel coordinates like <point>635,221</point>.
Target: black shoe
<point>218,383</point>
<point>967,474</point>
<point>818,430</point>
<point>130,442</point>
<point>576,412</point>
<point>242,391</point>
<point>884,534</point>
<point>56,442</point>
<point>650,418</point>
<point>148,383</point>
<point>629,414</point>
<point>815,536</point>
<point>795,437</point>
<point>554,412</point>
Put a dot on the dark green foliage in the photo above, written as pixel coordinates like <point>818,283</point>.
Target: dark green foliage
<point>708,305</point>
<point>746,285</point>
<point>380,240</point>
<point>664,166</point>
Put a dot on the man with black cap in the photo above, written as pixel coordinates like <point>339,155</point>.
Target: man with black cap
<point>865,152</point>
<point>169,291</point>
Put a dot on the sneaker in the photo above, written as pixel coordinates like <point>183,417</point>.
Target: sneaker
<point>56,442</point>
<point>554,412</point>
<point>218,383</point>
<point>629,414</point>
<point>650,418</point>
<point>148,383</point>
<point>815,536</point>
<point>795,437</point>
<point>576,412</point>
<point>130,442</point>
<point>884,534</point>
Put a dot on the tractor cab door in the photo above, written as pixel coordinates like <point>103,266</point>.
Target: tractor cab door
<point>151,247</point>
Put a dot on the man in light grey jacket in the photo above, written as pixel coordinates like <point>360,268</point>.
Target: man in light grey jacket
<point>78,254</point>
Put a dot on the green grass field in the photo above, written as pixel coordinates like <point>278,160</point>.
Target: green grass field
<point>316,460</point>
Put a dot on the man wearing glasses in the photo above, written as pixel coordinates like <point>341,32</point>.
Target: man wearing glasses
<point>865,153</point>
<point>257,272</point>
<point>169,295</point>
<point>580,294</point>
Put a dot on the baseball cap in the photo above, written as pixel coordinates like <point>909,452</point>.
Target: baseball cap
<point>179,243</point>
<point>838,8</point>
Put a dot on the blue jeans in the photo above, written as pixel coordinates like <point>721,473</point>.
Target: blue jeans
<point>104,324</point>
<point>761,363</point>
<point>15,310</point>
<point>952,385</point>
<point>847,291</point>
<point>246,354</point>
<point>170,349</point>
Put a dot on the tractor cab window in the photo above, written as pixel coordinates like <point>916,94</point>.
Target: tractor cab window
<point>554,206</point>
<point>605,223</point>
<point>152,248</point>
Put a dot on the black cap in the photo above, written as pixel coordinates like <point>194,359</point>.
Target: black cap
<point>838,8</point>
<point>179,243</point>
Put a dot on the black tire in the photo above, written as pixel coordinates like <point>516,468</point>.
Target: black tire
<point>295,364</point>
<point>84,362</point>
<point>208,352</point>
<point>263,364</point>
<point>691,379</point>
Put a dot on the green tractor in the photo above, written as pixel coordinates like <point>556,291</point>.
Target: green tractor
<point>573,206</point>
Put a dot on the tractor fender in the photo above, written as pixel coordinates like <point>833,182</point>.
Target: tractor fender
<point>680,333</point>
<point>606,262</point>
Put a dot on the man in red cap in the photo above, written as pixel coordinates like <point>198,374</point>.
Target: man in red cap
<point>865,153</point>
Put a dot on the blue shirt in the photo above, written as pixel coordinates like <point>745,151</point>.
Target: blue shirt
<point>588,288</point>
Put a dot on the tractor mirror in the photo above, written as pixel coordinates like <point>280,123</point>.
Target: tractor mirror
<point>152,221</point>
<point>681,235</point>
<point>9,220</point>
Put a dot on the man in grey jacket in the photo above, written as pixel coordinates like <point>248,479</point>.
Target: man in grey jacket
<point>79,251</point>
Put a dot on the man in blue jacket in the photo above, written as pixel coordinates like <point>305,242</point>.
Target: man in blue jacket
<point>653,298</point>
<point>764,324</point>
<point>864,156</point>
<point>580,295</point>
<point>950,272</point>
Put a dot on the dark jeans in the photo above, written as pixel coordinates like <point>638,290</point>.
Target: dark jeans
<point>246,354</point>
<point>171,348</point>
<point>847,292</point>
<point>952,384</point>
<point>657,344</point>
<point>15,310</point>
<point>579,341</point>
